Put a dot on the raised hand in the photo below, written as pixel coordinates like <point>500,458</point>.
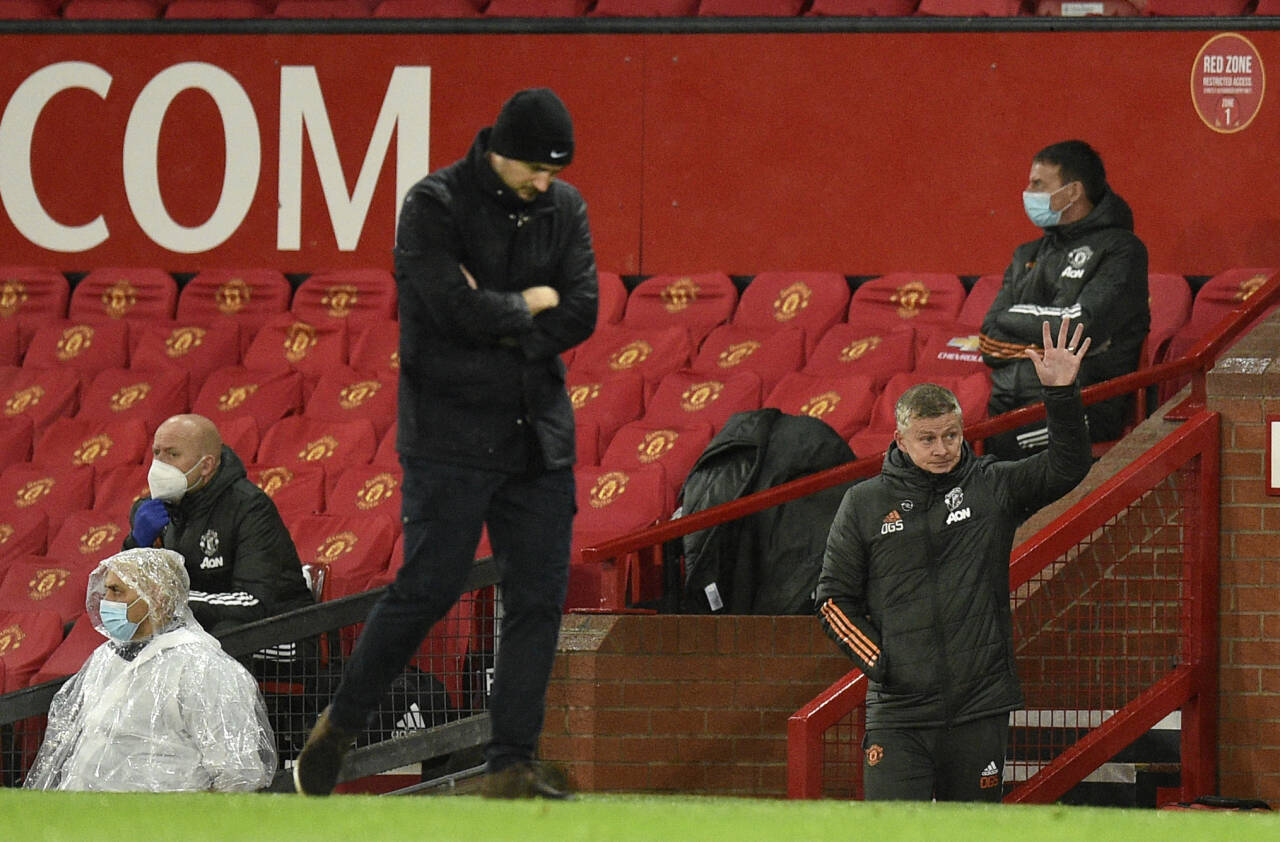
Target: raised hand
<point>1060,363</point>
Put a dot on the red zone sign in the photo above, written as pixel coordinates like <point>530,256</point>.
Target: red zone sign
<point>1228,82</point>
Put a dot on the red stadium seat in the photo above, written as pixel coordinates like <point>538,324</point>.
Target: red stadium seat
<point>100,443</point>
<point>426,9</point>
<point>86,538</point>
<point>87,347</point>
<point>213,9</point>
<point>57,491</point>
<point>23,531</point>
<point>356,296</point>
<point>973,8</point>
<point>645,8</point>
<point>972,391</point>
<point>771,355</point>
<point>1267,7</point>
<point>536,8</point>
<point>1076,9</point>
<point>323,9</point>
<point>32,296</point>
<point>29,9</point>
<point>122,395</point>
<point>586,437</point>
<point>386,454</point>
<point>612,503</point>
<point>365,490</point>
<point>1220,295</point>
<point>1170,300</point>
<point>910,298</point>
<point>110,293</point>
<point>1201,8</point>
<point>71,653</point>
<point>299,441</point>
<point>344,394</point>
<point>612,299</point>
<point>266,397</point>
<point>843,403</point>
<point>853,349</point>
<point>196,349</point>
<point>352,549</point>
<point>116,491</point>
<point>27,638</point>
<point>296,491</point>
<point>250,296</point>
<point>811,301</point>
<point>673,448</point>
<point>951,352</point>
<point>696,302</point>
<point>311,348</point>
<point>979,300</point>
<point>863,8</point>
<point>376,350</point>
<point>12,343</point>
<point>36,583</point>
<point>750,8</point>
<point>687,397</point>
<point>16,437</point>
<point>112,9</point>
<point>40,395</point>
<point>652,352</point>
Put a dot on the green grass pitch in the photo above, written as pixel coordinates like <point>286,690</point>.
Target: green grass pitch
<point>41,817</point>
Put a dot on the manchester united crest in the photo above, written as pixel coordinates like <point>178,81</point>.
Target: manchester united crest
<point>678,295</point>
<point>119,298</point>
<point>233,296</point>
<point>235,396</point>
<point>791,301</point>
<point>583,394</point>
<point>183,340</point>
<point>335,546</point>
<point>13,294</point>
<point>630,355</point>
<point>319,449</point>
<point>91,450</point>
<point>607,488</point>
<point>859,348</point>
<point>656,444</point>
<point>820,405</point>
<point>376,491</point>
<point>911,298</point>
<point>74,341</point>
<point>46,582</point>
<point>340,299</point>
<point>22,400</point>
<point>736,353</point>
<point>699,396</point>
<point>299,339</point>
<point>127,397</point>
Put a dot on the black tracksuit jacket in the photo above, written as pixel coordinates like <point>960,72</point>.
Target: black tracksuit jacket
<point>481,380</point>
<point>240,557</point>
<point>1095,272</point>
<point>915,582</point>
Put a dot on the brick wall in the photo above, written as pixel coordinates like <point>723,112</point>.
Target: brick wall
<point>1245,388</point>
<point>691,704</point>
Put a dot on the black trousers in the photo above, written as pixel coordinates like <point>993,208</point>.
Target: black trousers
<point>957,763</point>
<point>530,520</point>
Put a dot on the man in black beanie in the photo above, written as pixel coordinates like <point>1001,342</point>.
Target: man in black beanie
<point>496,278</point>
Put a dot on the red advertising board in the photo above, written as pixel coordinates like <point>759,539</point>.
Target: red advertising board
<point>858,152</point>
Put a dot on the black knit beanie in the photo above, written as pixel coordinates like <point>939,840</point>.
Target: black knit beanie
<point>534,126</point>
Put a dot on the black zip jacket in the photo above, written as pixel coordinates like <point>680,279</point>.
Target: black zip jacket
<point>1095,272</point>
<point>766,563</point>
<point>915,582</point>
<point>481,381</point>
<point>239,555</point>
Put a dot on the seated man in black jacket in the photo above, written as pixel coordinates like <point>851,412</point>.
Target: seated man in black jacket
<point>239,555</point>
<point>915,585</point>
<point>1088,266</point>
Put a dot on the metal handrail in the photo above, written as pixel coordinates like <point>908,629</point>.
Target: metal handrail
<point>1197,362</point>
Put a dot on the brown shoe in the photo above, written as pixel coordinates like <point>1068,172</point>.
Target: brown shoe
<point>315,772</point>
<point>527,779</point>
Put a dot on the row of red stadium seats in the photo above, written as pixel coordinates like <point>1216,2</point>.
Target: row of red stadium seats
<point>411,9</point>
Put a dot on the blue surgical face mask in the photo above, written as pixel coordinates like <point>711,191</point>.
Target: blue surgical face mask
<point>1037,207</point>
<point>115,619</point>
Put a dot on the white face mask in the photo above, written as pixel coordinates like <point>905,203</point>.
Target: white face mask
<point>168,482</point>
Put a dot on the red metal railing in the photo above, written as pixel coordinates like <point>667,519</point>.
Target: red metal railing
<point>1115,615</point>
<point>1196,364</point>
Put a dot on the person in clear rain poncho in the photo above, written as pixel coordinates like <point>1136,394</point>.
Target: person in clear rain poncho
<point>159,706</point>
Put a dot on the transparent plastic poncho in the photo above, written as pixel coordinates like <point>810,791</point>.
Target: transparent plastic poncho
<point>168,713</point>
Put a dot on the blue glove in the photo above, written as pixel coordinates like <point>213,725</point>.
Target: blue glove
<point>148,520</point>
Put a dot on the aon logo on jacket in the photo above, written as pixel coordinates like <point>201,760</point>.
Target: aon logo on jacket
<point>958,515</point>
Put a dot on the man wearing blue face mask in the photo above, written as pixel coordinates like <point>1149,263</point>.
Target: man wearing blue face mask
<point>240,557</point>
<point>1089,266</point>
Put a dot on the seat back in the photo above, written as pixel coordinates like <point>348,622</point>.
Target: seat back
<point>123,395</point>
<point>653,351</point>
<point>87,347</point>
<point>696,302</point>
<point>675,449</point>
<point>32,295</point>
<point>37,583</point>
<point>770,354</point>
<point>343,394</point>
<point>250,296</point>
<point>843,403</point>
<point>117,293</point>
<point>356,296</point>
<point>103,443</point>
<point>40,395</point>
<point>911,298</point>
<point>979,300</point>
<point>235,391</point>
<point>810,301</point>
<point>609,401</point>
<point>299,441</point>
<point>688,397</point>
<point>197,349</point>
<point>877,352</point>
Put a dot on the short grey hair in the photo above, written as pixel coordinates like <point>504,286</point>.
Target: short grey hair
<point>925,400</point>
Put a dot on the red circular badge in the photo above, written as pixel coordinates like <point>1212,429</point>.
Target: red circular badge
<point>1227,82</point>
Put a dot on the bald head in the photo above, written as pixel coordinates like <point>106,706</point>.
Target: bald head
<point>184,440</point>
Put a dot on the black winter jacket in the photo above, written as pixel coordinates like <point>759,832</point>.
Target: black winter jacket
<point>1093,271</point>
<point>480,378</point>
<point>915,582</point>
<point>766,563</point>
<point>239,555</point>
